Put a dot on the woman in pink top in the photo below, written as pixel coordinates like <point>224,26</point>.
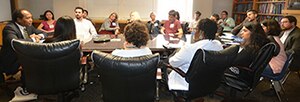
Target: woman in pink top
<point>272,28</point>
<point>49,23</point>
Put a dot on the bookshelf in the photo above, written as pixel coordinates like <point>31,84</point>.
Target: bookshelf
<point>265,8</point>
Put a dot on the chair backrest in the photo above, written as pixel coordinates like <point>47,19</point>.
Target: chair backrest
<point>49,67</point>
<point>127,79</point>
<point>260,62</point>
<point>285,69</point>
<point>206,70</point>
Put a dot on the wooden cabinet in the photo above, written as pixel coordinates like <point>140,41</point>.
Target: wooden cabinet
<point>265,8</point>
<point>2,25</point>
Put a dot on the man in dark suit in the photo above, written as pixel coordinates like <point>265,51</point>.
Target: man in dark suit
<point>291,39</point>
<point>19,28</point>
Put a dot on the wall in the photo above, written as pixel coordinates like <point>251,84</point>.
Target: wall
<point>209,7</point>
<point>101,9</point>
<point>5,10</point>
<point>36,7</point>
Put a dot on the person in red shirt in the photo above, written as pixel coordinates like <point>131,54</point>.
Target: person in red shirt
<point>172,26</point>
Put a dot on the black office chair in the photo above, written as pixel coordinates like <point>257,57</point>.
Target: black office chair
<point>278,81</point>
<point>206,71</point>
<point>50,68</point>
<point>256,68</point>
<point>127,79</point>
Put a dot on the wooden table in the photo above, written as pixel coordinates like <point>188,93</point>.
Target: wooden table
<point>155,45</point>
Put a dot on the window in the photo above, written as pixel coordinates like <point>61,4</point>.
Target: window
<point>184,7</point>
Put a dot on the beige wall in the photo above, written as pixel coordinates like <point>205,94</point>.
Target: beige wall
<point>102,8</point>
<point>209,7</point>
<point>5,10</point>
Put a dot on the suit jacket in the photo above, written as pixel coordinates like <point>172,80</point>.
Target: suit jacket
<point>8,59</point>
<point>292,42</point>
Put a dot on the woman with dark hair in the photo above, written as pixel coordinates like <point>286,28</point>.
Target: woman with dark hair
<point>64,30</point>
<point>110,25</point>
<point>273,29</point>
<point>136,38</point>
<point>254,38</point>
<point>49,23</point>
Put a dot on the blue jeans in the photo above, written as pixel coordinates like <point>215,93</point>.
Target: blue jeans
<point>268,72</point>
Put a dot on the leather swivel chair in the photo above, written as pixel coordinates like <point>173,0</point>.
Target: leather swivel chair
<point>256,68</point>
<point>127,79</point>
<point>206,71</point>
<point>49,68</point>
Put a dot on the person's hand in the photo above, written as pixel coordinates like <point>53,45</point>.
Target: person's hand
<point>36,37</point>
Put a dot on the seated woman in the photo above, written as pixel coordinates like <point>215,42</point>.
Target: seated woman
<point>110,25</point>
<point>136,38</point>
<point>134,16</point>
<point>254,38</point>
<point>153,25</point>
<point>49,23</point>
<point>272,28</point>
<point>64,30</point>
<point>182,59</point>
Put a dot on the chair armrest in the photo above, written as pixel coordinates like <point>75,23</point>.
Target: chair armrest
<point>177,70</point>
<point>244,68</point>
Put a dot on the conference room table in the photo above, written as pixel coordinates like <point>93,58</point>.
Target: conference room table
<point>156,43</point>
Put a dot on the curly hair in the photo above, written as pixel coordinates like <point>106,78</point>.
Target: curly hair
<point>136,33</point>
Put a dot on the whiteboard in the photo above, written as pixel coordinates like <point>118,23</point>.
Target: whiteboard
<point>5,10</point>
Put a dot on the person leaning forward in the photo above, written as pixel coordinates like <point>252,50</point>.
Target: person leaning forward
<point>19,28</point>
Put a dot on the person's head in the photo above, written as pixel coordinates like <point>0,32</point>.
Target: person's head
<point>197,15</point>
<point>207,28</point>
<point>48,14</point>
<point>288,22</point>
<point>113,17</point>
<point>85,13</point>
<point>136,33</point>
<point>251,15</point>
<point>224,14</point>
<point>152,15</point>
<point>253,36</point>
<point>64,29</point>
<point>215,17</point>
<point>78,12</point>
<point>22,17</point>
<point>172,15</point>
<point>271,27</point>
<point>135,16</point>
<point>177,15</point>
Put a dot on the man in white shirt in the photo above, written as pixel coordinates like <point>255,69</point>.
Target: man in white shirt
<point>85,30</point>
<point>182,59</point>
<point>290,37</point>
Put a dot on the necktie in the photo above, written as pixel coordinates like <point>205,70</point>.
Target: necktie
<point>25,34</point>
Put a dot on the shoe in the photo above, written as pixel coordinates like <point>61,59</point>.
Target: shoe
<point>22,95</point>
<point>270,92</point>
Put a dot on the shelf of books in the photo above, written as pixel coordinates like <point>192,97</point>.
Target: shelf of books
<point>270,9</point>
<point>239,9</point>
<point>265,8</point>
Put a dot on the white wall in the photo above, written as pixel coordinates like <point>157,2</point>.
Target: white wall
<point>5,10</point>
<point>102,8</point>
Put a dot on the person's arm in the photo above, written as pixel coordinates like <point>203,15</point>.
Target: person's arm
<point>179,33</point>
<point>92,29</point>
<point>37,34</point>
<point>180,58</point>
<point>230,23</point>
<point>162,30</point>
<point>237,29</point>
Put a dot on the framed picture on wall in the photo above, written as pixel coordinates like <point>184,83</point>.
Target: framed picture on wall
<point>294,5</point>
